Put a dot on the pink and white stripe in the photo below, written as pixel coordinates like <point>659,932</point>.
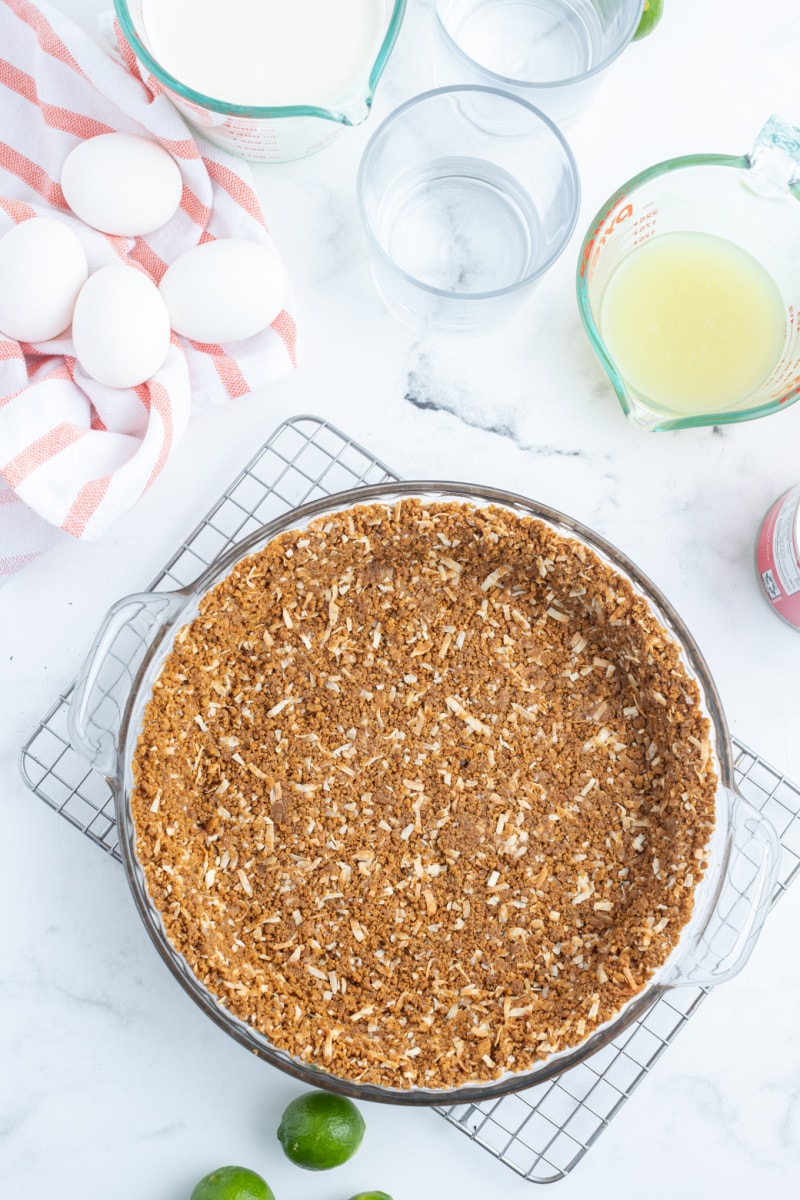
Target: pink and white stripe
<point>75,455</point>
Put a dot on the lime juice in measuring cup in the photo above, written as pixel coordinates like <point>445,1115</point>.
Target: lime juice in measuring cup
<point>689,286</point>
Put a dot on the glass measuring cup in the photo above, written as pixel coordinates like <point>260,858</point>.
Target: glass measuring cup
<point>552,53</point>
<point>254,132</point>
<point>753,202</point>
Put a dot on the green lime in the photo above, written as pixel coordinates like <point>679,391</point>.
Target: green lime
<point>372,1196</point>
<point>232,1183</point>
<point>651,15</point>
<point>319,1130</point>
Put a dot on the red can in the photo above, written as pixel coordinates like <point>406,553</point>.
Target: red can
<point>778,556</point>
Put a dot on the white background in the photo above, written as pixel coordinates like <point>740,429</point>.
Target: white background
<point>112,1084</point>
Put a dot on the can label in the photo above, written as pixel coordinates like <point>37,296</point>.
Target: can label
<point>778,556</point>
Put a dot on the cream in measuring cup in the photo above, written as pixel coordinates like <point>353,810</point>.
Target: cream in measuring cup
<point>269,80</point>
<point>267,52</point>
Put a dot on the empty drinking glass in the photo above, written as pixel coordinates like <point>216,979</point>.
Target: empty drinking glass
<point>551,53</point>
<point>467,196</point>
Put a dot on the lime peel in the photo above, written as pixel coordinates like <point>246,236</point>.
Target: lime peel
<point>651,15</point>
<point>320,1130</point>
<point>232,1183</point>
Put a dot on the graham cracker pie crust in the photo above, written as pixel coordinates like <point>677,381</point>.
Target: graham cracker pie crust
<point>423,793</point>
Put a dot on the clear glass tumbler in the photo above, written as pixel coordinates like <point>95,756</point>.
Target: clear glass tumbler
<point>467,196</point>
<point>552,53</point>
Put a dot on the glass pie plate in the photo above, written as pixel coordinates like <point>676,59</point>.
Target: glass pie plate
<point>730,901</point>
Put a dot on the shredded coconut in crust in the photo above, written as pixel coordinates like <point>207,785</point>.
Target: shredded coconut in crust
<point>423,793</point>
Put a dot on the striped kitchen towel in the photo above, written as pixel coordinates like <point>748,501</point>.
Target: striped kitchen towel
<point>75,455</point>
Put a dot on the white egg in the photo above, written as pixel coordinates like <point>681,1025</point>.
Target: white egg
<point>42,269</point>
<point>225,290</point>
<point>120,327</point>
<point>122,184</point>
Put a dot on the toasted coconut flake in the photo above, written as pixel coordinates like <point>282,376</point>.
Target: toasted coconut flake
<point>494,578</point>
<point>455,706</point>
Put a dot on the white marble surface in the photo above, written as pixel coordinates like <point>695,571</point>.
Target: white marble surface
<point>112,1083</point>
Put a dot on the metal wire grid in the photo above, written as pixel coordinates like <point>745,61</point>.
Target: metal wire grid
<point>543,1132</point>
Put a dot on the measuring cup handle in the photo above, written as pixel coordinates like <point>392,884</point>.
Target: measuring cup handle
<point>106,679</point>
<point>746,892</point>
<point>775,155</point>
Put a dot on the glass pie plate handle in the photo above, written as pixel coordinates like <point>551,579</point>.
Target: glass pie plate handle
<point>107,680</point>
<point>743,893</point>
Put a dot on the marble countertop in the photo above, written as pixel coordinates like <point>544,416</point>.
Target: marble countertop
<point>112,1082</point>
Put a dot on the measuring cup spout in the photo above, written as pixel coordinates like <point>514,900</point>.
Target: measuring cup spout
<point>356,111</point>
<point>775,157</point>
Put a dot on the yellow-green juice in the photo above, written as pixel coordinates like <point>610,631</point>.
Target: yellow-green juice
<point>693,322</point>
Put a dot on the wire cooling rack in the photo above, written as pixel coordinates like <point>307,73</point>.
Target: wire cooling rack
<point>543,1132</point>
